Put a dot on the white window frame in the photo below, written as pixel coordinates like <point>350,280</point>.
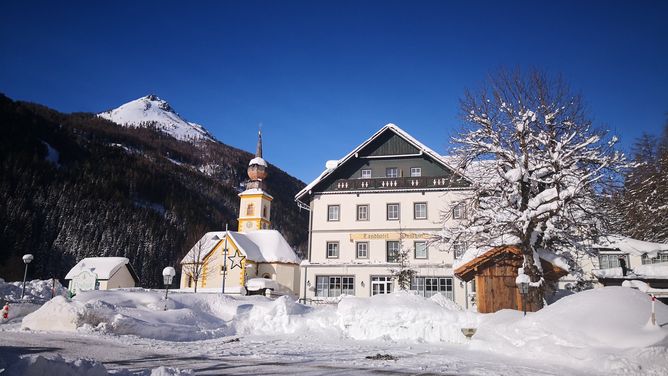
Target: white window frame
<point>381,285</point>
<point>430,286</point>
<point>325,285</point>
<point>611,260</point>
<point>398,211</point>
<point>415,211</point>
<point>416,172</point>
<point>392,172</point>
<point>366,173</point>
<point>459,211</point>
<point>425,250</point>
<point>387,250</point>
<point>332,250</point>
<point>330,213</point>
<point>458,249</point>
<point>365,246</point>
<point>660,257</point>
<point>358,217</point>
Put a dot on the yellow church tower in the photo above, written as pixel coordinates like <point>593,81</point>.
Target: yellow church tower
<point>255,207</point>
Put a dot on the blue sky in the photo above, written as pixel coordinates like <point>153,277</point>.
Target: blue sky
<point>323,76</point>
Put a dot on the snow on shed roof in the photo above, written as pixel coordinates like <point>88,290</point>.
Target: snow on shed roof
<point>104,267</point>
<point>400,132</point>
<point>630,246</point>
<point>258,246</point>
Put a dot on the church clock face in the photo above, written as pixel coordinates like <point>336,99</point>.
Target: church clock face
<point>249,225</point>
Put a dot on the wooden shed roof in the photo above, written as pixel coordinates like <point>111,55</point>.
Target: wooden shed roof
<point>468,270</point>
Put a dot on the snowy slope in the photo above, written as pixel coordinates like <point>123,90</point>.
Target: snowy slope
<point>151,110</point>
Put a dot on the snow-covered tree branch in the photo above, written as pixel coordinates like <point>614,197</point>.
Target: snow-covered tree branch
<point>538,165</point>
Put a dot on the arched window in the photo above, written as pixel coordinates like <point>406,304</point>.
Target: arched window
<point>266,276</point>
<point>250,209</point>
<point>264,211</point>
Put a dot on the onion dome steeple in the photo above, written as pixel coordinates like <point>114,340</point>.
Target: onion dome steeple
<point>257,167</point>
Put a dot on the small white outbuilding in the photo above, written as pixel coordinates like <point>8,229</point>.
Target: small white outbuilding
<point>101,273</point>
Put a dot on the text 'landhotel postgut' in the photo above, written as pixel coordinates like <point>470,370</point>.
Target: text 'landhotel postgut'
<point>388,194</point>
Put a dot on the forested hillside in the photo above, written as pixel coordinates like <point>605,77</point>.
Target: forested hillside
<point>76,185</point>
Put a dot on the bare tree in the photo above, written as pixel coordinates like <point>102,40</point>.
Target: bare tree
<point>404,273</point>
<point>539,169</point>
<point>193,266</point>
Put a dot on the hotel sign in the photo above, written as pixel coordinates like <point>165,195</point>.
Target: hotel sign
<point>390,236</point>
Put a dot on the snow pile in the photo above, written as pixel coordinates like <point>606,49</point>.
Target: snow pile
<point>401,316</point>
<point>576,328</point>
<point>153,111</point>
<point>35,290</point>
<point>134,313</point>
<point>39,365</point>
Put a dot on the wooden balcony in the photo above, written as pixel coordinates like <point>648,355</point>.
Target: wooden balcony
<point>395,183</point>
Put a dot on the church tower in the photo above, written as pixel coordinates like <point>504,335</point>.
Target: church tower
<point>255,207</point>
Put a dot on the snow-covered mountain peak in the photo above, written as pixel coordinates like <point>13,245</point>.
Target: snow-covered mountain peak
<point>153,111</point>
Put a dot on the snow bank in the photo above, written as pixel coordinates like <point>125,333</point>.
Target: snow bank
<point>401,316</point>
<point>576,328</point>
<point>604,329</point>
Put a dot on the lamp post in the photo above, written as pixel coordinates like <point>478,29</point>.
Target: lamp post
<point>168,274</point>
<point>26,259</point>
<point>524,290</point>
<point>225,259</point>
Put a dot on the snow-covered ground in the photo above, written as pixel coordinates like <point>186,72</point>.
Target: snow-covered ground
<point>596,332</point>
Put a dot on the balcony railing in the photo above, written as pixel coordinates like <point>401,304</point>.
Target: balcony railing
<point>394,183</point>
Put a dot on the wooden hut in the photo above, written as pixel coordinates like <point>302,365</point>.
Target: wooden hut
<point>495,272</point>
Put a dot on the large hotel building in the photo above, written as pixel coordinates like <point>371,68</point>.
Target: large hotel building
<point>388,194</point>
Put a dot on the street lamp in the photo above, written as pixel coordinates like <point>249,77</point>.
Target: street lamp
<point>168,274</point>
<point>26,259</point>
<point>227,234</point>
<point>524,290</point>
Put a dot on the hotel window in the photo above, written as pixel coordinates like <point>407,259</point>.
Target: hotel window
<point>459,211</point>
<point>430,286</point>
<point>660,257</point>
<point>334,286</point>
<point>362,250</point>
<point>459,248</point>
<point>416,172</point>
<point>333,212</point>
<point>362,212</point>
<point>366,173</point>
<point>392,212</point>
<point>332,249</point>
<point>420,210</point>
<point>381,285</point>
<point>607,261</point>
<point>392,172</point>
<point>392,251</point>
<point>420,250</point>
